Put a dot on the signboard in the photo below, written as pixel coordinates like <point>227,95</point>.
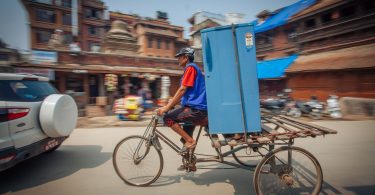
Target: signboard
<point>43,57</point>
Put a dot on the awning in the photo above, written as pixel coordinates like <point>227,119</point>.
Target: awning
<point>348,58</point>
<point>283,15</point>
<point>105,69</point>
<point>275,68</point>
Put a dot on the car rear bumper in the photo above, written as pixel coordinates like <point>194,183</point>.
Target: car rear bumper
<point>11,156</point>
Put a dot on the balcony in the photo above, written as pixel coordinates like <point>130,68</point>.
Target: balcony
<point>264,47</point>
<point>337,28</point>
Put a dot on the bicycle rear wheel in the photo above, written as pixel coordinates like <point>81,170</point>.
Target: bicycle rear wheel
<point>137,162</point>
<point>288,170</point>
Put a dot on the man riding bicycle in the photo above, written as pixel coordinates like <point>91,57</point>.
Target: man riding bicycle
<point>192,96</point>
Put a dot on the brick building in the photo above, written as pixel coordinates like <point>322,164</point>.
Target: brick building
<point>274,45</point>
<point>203,19</point>
<point>336,39</point>
<point>45,16</point>
<point>81,72</point>
<point>156,36</point>
<point>8,58</point>
<point>333,40</point>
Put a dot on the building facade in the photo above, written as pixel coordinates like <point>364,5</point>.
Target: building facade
<point>336,39</point>
<point>47,16</point>
<point>333,41</point>
<point>202,20</point>
<point>8,58</point>
<point>156,36</point>
<point>137,54</point>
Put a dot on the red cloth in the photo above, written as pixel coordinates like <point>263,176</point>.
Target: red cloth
<point>189,77</point>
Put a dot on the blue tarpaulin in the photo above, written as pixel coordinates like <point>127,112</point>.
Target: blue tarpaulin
<point>283,15</point>
<point>275,68</point>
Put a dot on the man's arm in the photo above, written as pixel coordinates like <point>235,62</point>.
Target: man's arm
<point>177,97</point>
<point>175,100</point>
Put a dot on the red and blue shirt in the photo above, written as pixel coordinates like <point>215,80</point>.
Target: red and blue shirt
<point>195,96</point>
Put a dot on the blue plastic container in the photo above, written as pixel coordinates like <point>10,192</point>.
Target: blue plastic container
<point>231,79</point>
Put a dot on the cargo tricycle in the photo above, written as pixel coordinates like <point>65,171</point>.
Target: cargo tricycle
<point>266,146</point>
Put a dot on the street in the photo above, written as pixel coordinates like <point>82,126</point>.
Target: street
<point>83,165</point>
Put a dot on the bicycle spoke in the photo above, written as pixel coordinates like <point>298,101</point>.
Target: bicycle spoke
<point>143,170</point>
<point>283,173</point>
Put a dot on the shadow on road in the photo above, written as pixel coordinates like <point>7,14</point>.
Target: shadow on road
<point>363,190</point>
<point>240,179</point>
<point>48,167</point>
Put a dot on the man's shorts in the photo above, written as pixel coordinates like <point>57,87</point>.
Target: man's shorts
<point>184,115</point>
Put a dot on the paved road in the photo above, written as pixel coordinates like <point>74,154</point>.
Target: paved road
<point>83,165</point>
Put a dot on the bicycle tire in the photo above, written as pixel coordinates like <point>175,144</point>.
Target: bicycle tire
<point>149,151</point>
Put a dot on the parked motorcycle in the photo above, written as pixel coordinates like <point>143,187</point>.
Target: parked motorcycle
<point>312,108</point>
<point>333,107</point>
<point>283,104</point>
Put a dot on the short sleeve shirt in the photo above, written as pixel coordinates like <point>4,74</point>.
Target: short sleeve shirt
<point>189,77</point>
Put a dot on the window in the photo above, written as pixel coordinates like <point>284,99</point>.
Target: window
<point>4,57</point>
<point>326,18</point>
<point>66,3</point>
<point>45,15</point>
<point>158,43</point>
<point>43,36</point>
<point>347,12</point>
<point>167,45</point>
<point>67,19</point>
<point>25,91</point>
<point>93,13</point>
<point>368,5</point>
<point>310,23</point>
<point>291,32</point>
<point>74,82</point>
<point>68,38</point>
<point>93,31</point>
<point>149,42</point>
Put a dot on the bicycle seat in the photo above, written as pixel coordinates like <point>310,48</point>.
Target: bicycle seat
<point>203,122</point>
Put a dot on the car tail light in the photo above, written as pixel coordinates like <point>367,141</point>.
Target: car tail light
<point>14,113</point>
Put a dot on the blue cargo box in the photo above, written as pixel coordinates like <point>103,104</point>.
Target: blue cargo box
<point>231,79</point>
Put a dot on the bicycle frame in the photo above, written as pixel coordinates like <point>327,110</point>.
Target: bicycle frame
<point>152,135</point>
<point>282,132</point>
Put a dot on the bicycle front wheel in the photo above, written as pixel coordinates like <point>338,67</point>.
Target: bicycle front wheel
<point>137,162</point>
<point>288,170</point>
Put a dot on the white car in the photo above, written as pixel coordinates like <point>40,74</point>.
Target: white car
<point>34,117</point>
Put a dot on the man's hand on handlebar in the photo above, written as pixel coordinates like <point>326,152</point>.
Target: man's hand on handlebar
<point>161,111</point>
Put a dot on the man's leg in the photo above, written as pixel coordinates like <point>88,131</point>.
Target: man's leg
<point>175,116</point>
<point>189,141</point>
<point>189,129</point>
